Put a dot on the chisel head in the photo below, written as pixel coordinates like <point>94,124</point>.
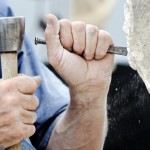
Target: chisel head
<point>11,33</point>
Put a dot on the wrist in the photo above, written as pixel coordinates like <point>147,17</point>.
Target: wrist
<point>92,94</point>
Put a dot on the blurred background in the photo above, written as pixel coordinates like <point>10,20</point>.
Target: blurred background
<point>107,14</point>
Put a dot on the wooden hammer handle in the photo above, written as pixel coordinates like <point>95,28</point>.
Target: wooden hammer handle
<point>9,70</point>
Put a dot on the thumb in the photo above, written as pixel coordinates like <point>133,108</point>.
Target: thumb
<point>54,47</point>
<point>37,79</point>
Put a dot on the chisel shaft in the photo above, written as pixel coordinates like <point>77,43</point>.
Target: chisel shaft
<point>113,50</point>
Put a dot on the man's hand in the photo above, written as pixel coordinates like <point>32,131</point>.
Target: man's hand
<point>78,52</point>
<point>17,109</point>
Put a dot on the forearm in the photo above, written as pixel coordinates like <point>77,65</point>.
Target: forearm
<point>84,125</point>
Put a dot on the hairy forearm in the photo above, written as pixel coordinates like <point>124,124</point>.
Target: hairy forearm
<point>84,125</point>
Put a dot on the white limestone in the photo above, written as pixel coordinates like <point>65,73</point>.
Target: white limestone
<point>137,29</point>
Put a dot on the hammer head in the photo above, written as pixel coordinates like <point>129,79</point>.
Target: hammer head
<point>11,33</point>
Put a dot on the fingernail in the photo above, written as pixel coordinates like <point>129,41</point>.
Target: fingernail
<point>37,79</point>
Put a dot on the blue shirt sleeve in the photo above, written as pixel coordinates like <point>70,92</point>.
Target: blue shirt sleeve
<point>53,94</point>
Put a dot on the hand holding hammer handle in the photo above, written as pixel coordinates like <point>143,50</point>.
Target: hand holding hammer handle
<point>11,37</point>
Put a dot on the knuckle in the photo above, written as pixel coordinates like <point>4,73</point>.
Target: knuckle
<point>29,131</point>
<point>92,30</point>
<point>24,79</point>
<point>78,50</point>
<point>33,84</point>
<point>32,130</point>
<point>100,54</point>
<point>105,36</point>
<point>104,33</point>
<point>89,52</point>
<point>34,117</point>
<point>79,26</point>
<point>26,102</point>
<point>35,101</point>
<point>88,56</point>
<point>98,57</point>
<point>64,22</point>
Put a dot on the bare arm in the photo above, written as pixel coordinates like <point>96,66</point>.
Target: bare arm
<point>78,52</point>
<point>84,125</point>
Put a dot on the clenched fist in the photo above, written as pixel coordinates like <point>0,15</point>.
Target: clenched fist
<point>78,51</point>
<point>17,109</point>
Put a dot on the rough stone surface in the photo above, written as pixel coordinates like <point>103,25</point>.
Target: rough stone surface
<point>137,29</point>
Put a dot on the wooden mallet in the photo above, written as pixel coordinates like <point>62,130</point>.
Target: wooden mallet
<point>11,38</point>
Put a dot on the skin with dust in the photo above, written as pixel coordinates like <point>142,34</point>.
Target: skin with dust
<point>137,29</point>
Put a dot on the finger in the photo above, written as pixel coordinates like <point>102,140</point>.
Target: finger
<point>28,130</point>
<point>66,34</point>
<point>36,78</point>
<point>91,41</point>
<point>27,85</point>
<point>55,49</point>
<point>79,35</point>
<point>29,102</point>
<point>23,131</point>
<point>104,41</point>
<point>24,84</point>
<point>16,135</point>
<point>28,117</point>
<point>109,58</point>
<point>107,63</point>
